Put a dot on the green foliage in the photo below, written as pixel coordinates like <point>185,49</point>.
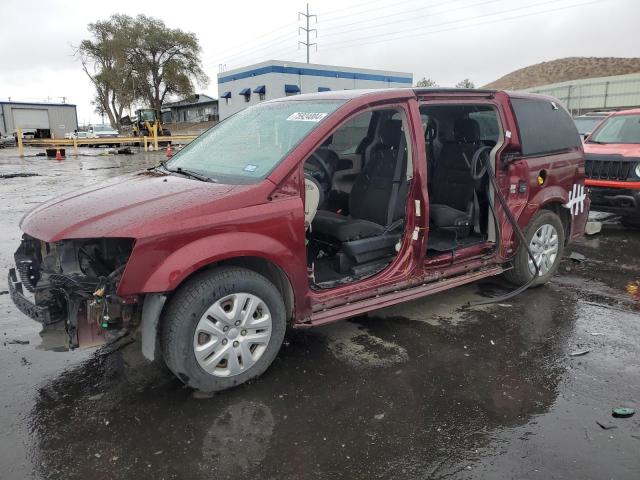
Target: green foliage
<point>426,82</point>
<point>466,83</point>
<point>139,60</point>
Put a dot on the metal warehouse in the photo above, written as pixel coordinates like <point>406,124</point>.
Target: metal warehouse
<point>199,108</point>
<point>242,87</point>
<point>589,94</point>
<point>43,120</point>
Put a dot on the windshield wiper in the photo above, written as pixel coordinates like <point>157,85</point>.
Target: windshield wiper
<point>190,173</point>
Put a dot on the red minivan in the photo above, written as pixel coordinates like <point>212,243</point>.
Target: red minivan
<point>302,211</point>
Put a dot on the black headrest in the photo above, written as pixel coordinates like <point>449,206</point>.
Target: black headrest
<point>327,141</point>
<point>391,133</point>
<point>466,130</point>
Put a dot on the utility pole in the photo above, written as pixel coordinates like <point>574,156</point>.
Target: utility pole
<point>308,30</point>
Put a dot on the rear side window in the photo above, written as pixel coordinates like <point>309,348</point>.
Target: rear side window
<point>544,126</point>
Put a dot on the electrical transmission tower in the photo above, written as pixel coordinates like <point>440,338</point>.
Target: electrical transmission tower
<point>308,30</point>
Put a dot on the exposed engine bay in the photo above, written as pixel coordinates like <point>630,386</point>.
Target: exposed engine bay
<point>74,285</point>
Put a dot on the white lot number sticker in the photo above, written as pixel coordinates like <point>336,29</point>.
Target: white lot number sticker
<point>306,117</point>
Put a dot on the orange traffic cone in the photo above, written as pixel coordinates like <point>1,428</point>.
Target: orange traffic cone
<point>169,151</point>
<point>58,156</point>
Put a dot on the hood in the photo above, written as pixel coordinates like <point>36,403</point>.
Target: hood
<point>136,205</point>
<point>631,150</point>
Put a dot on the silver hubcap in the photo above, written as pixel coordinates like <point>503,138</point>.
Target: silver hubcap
<point>544,246</point>
<point>232,334</point>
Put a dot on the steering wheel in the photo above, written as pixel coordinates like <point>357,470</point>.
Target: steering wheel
<point>322,173</point>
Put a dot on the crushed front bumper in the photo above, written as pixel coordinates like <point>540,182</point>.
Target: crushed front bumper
<point>38,313</point>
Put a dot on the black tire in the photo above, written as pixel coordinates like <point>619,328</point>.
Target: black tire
<point>520,274</point>
<point>630,222</point>
<point>190,303</point>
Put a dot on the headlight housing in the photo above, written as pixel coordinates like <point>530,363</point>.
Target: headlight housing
<point>637,170</point>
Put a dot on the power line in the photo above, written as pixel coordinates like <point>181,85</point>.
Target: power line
<point>241,48</point>
<point>334,13</point>
<point>385,37</point>
<point>359,40</point>
<point>413,17</point>
<point>307,30</point>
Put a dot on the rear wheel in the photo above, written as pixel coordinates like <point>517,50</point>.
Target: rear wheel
<point>545,237</point>
<point>223,328</point>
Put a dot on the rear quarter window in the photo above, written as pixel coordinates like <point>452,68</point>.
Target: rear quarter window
<point>544,126</point>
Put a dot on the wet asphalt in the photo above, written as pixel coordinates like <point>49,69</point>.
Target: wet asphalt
<point>425,390</point>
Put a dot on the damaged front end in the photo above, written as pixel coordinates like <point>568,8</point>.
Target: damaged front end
<point>74,285</point>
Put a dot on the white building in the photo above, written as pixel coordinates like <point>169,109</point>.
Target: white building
<point>242,87</point>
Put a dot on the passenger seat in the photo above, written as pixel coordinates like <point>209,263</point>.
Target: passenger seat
<point>451,203</point>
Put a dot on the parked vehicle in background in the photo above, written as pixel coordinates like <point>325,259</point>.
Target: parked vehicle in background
<point>588,122</point>
<point>27,133</point>
<point>612,166</point>
<point>262,223</point>
<point>102,131</point>
<point>78,135</point>
<point>7,141</point>
<point>145,121</point>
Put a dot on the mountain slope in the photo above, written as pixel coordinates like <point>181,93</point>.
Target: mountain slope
<point>564,69</point>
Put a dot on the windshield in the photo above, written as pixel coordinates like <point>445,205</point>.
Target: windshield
<point>618,129</point>
<point>247,146</point>
<point>587,124</point>
<point>149,115</point>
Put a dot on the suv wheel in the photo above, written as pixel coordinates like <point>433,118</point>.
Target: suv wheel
<point>222,328</point>
<point>545,237</point>
<point>630,222</point>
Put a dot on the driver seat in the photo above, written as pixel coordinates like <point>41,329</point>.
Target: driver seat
<point>370,197</point>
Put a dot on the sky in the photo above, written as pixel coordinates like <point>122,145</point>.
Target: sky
<point>446,41</point>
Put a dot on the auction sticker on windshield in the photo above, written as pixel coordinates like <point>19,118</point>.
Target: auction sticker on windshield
<point>306,117</point>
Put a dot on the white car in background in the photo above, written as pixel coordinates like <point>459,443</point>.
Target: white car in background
<point>78,135</point>
<point>102,131</point>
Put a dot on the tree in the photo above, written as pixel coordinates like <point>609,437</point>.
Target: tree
<point>139,59</point>
<point>105,61</point>
<point>166,61</point>
<point>466,83</point>
<point>426,82</point>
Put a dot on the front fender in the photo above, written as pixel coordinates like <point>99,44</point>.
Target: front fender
<point>181,263</point>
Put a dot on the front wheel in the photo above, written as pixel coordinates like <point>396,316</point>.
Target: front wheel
<point>222,328</point>
<point>545,237</point>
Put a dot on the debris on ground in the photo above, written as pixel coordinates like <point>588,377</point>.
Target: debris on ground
<point>622,412</point>
<point>125,151</point>
<point>18,175</point>
<point>17,342</point>
<point>97,396</point>
<point>577,257</point>
<point>578,353</point>
<point>200,395</point>
<point>591,228</point>
<point>24,361</point>
<point>4,292</point>
<point>379,416</point>
<point>606,426</point>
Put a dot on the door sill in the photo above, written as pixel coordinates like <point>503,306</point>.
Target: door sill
<point>359,307</point>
